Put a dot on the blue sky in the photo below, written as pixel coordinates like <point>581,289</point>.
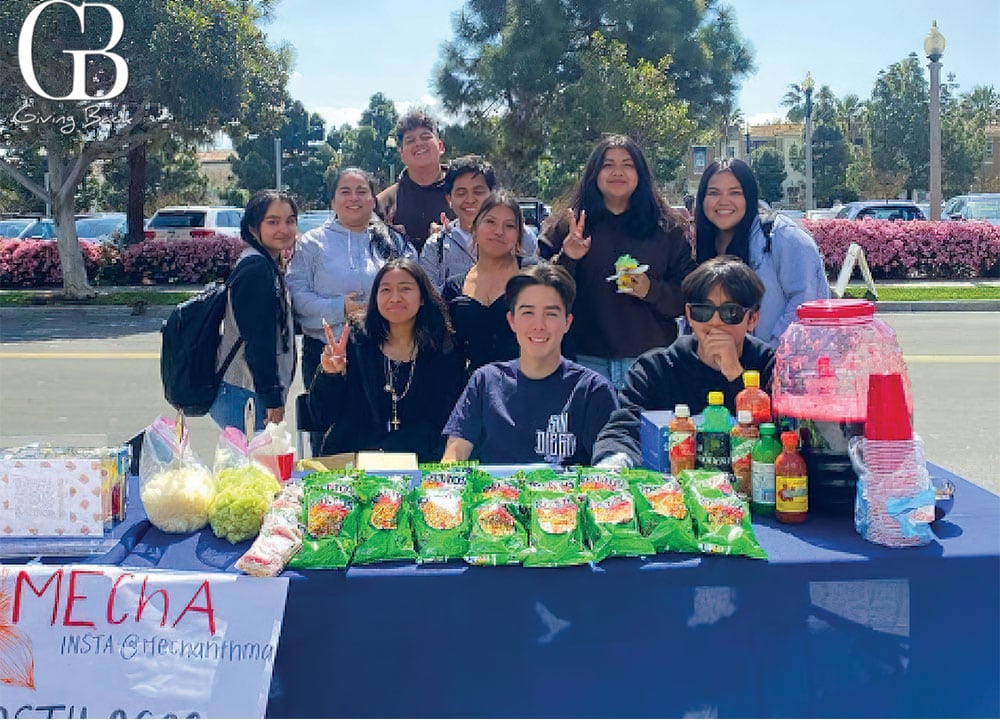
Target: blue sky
<point>347,51</point>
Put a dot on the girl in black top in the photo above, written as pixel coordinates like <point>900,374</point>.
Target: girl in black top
<point>476,299</point>
<point>390,382</point>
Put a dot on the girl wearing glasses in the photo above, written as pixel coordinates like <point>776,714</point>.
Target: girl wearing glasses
<point>783,255</point>
<point>616,211</point>
<point>722,305</point>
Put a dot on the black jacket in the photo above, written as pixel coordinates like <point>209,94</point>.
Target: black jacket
<point>665,377</point>
<point>356,408</point>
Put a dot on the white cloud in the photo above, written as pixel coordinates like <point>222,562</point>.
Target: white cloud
<point>337,116</point>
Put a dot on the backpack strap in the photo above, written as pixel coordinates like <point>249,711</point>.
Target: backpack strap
<point>231,355</point>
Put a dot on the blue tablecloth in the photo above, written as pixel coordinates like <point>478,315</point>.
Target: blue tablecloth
<point>830,625</point>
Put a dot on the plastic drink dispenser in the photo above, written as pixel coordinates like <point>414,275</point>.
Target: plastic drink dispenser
<point>821,371</point>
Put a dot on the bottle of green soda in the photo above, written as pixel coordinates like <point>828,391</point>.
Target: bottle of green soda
<point>712,441</point>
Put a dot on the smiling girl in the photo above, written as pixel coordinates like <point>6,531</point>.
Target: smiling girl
<point>257,351</point>
<point>783,255</point>
<point>389,381</point>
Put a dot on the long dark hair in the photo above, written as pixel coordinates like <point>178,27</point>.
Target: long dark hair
<point>253,216</point>
<point>432,328</point>
<point>705,231</point>
<point>501,198</point>
<point>646,208</point>
<point>380,236</point>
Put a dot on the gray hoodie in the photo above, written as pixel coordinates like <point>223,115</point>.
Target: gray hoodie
<point>330,262</point>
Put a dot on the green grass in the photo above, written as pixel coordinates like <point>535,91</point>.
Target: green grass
<point>25,298</point>
<point>918,293</point>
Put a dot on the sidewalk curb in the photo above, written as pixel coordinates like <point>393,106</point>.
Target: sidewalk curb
<point>938,306</point>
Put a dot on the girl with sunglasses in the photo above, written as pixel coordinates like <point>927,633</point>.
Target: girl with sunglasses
<point>722,305</point>
<point>783,255</point>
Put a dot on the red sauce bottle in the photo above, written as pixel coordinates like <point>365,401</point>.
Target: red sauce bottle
<point>753,398</point>
<point>791,486</point>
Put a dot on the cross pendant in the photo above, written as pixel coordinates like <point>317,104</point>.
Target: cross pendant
<point>395,423</point>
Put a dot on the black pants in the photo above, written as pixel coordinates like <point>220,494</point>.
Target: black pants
<point>312,350</point>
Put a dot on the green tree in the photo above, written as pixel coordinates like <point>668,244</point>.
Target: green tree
<point>193,66</point>
<point>899,123</point>
<point>172,177</point>
<point>831,156</point>
<point>769,167</point>
<point>516,60</point>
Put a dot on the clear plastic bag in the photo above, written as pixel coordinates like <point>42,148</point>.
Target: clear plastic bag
<point>894,502</point>
<point>175,487</point>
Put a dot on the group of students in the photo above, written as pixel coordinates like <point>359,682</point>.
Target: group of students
<point>434,322</point>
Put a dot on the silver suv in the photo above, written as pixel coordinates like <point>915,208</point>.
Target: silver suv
<point>194,222</point>
<point>881,210</point>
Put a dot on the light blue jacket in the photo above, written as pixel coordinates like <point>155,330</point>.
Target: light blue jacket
<point>451,252</point>
<point>792,273</point>
<point>330,262</point>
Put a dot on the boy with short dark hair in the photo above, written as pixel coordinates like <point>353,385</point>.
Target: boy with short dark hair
<point>722,304</point>
<point>540,407</point>
<point>450,251</point>
<point>417,199</point>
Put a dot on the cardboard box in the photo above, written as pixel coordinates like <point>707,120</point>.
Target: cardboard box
<point>380,464</point>
<point>654,439</point>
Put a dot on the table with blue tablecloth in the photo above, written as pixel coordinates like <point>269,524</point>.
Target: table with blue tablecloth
<point>829,625</point>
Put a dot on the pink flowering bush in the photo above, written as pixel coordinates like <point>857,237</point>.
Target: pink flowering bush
<point>35,263</point>
<point>183,261</point>
<point>911,249</point>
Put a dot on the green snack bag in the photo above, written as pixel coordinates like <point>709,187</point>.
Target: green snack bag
<point>612,528</point>
<point>594,480</point>
<point>663,515</point>
<point>446,476</point>
<point>440,524</point>
<point>721,519</point>
<point>385,528</point>
<point>331,515</point>
<point>556,533</point>
<point>497,535</point>
<point>548,483</point>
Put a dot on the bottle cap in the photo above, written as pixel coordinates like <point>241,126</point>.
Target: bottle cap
<point>682,411</point>
<point>751,378</point>
<point>744,417</point>
<point>716,398</point>
<point>767,429</point>
<point>790,438</point>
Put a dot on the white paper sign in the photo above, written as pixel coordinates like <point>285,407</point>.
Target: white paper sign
<point>106,642</point>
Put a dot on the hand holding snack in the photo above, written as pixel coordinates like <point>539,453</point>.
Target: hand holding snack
<point>630,276</point>
<point>576,245</point>
<point>334,357</point>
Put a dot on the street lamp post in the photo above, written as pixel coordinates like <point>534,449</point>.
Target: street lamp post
<point>934,47</point>
<point>277,163</point>
<point>390,144</point>
<point>807,88</point>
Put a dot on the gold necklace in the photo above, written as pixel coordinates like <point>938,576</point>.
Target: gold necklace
<point>391,370</point>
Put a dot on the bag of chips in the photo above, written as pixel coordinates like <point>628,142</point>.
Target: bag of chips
<point>612,528</point>
<point>663,516</point>
<point>555,533</point>
<point>721,519</point>
<point>385,527</point>
<point>440,524</point>
<point>548,483</point>
<point>594,479</point>
<point>330,513</point>
<point>497,535</point>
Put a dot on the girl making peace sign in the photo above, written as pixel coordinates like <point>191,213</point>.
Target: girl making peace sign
<point>390,381</point>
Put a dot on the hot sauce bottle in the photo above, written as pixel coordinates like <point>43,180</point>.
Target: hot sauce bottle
<point>743,437</point>
<point>681,440</point>
<point>752,398</point>
<point>791,487</point>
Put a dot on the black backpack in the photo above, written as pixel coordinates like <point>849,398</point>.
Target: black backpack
<point>190,343</point>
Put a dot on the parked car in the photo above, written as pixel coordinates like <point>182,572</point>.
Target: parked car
<point>312,219</point>
<point>103,228</point>
<point>193,222</point>
<point>534,211</point>
<point>10,228</point>
<point>881,210</point>
<point>979,206</point>
<point>44,229</point>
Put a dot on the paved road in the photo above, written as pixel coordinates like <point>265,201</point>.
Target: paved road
<point>94,371</point>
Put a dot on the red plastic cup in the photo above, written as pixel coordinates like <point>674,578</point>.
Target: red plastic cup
<point>888,415</point>
<point>279,465</point>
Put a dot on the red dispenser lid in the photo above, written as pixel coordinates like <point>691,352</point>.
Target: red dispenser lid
<point>833,310</point>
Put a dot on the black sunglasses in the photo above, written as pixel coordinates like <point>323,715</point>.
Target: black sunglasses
<point>730,313</point>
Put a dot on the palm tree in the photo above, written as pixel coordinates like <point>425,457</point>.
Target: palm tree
<point>795,101</point>
<point>849,112</point>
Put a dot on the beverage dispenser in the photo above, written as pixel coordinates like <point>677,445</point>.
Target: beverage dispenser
<point>820,384</point>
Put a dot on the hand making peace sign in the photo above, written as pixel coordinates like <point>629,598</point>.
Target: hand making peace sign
<point>334,357</point>
<point>576,245</point>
